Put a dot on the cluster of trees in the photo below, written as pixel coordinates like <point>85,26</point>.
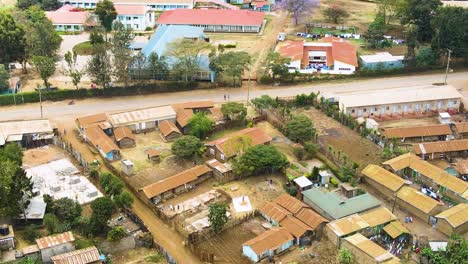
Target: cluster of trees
<point>276,67</point>
<point>47,5</point>
<point>456,252</point>
<point>62,215</point>
<point>15,186</point>
<point>230,64</point>
<point>300,129</point>
<point>426,23</point>
<point>259,159</point>
<point>335,13</point>
<point>113,186</point>
<point>187,147</point>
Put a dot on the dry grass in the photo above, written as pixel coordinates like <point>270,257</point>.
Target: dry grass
<point>138,255</point>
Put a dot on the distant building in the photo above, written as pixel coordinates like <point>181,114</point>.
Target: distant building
<point>176,184</point>
<point>55,245</point>
<point>453,220</point>
<point>381,61</point>
<point>442,149</point>
<point>267,244</point>
<point>136,17</point>
<point>166,34</point>
<point>440,132</point>
<point>329,55</point>
<point>89,255</point>
<point>143,120</point>
<point>27,133</point>
<point>220,150</point>
<point>215,20</point>
<point>69,18</point>
<point>156,5</point>
<point>401,101</point>
<point>333,206</point>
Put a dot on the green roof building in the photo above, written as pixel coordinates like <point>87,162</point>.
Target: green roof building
<point>333,206</point>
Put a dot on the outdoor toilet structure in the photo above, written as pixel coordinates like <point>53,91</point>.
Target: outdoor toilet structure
<point>127,167</point>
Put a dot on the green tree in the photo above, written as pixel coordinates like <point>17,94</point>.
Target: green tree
<point>389,8</point>
<point>103,208</point>
<point>95,36</point>
<point>375,32</point>
<point>258,159</point>
<point>310,149</point>
<point>187,147</point>
<point>277,66</point>
<point>124,200</point>
<point>263,102</point>
<point>99,66</point>
<point>51,223</point>
<point>116,234</point>
<point>158,66</point>
<point>451,31</point>
<point>112,184</point>
<point>421,13</point>
<point>49,5</point>
<point>25,4</point>
<point>345,256</point>
<point>234,110</point>
<point>12,152</point>
<point>72,70</point>
<point>187,54</point>
<point>217,216</point>
<point>41,37</point>
<point>12,39</point>
<point>45,66</point>
<point>106,13</point>
<point>411,44</point>
<point>426,57</point>
<point>232,64</point>
<point>66,210</point>
<point>300,129</point>
<point>237,145</point>
<point>4,78</point>
<point>335,13</point>
<point>31,233</point>
<point>122,54</point>
<point>200,124</point>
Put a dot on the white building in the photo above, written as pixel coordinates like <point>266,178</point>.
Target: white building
<point>136,17</point>
<point>157,5</point>
<point>401,101</point>
<point>329,55</point>
<point>70,18</point>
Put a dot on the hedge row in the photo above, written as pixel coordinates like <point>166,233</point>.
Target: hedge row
<point>59,95</point>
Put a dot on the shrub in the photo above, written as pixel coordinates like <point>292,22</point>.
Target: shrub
<point>116,234</point>
<point>31,233</point>
<point>112,184</point>
<point>333,182</point>
<point>299,153</point>
<point>156,258</point>
<point>83,243</point>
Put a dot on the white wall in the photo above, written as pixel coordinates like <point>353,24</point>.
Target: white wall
<point>338,68</point>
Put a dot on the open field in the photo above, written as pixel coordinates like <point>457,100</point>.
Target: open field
<point>339,137</point>
<point>138,256</point>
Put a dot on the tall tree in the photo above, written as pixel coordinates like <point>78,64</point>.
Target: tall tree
<point>188,57</point>
<point>4,78</point>
<point>259,159</point>
<point>451,31</point>
<point>12,38</point>
<point>187,147</point>
<point>411,31</point>
<point>99,66</point>
<point>121,41</point>
<point>232,64</point>
<point>200,124</point>
<point>42,39</point>
<point>217,216</point>
<point>277,66</point>
<point>389,8</point>
<point>335,13</point>
<point>72,70</point>
<point>234,110</point>
<point>376,31</point>
<point>421,13</point>
<point>158,66</point>
<point>106,12</point>
<point>103,208</point>
<point>299,7</point>
<point>138,65</point>
<point>300,129</point>
<point>45,66</point>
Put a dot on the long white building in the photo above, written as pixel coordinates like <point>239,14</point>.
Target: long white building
<point>156,5</point>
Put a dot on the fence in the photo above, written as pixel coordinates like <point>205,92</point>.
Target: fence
<point>59,142</point>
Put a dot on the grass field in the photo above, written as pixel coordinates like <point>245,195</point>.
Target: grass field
<point>84,49</point>
<point>7,4</point>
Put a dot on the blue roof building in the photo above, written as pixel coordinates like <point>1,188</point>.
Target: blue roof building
<point>166,34</point>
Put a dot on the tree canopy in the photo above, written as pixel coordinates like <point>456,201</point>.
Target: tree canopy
<point>121,41</point>
<point>300,129</point>
<point>188,57</point>
<point>47,5</point>
<point>112,184</point>
<point>66,210</point>
<point>217,216</point>
<point>99,66</point>
<point>45,66</point>
<point>106,13</point>
<point>124,200</point>
<point>298,7</point>
<point>4,77</point>
<point>257,159</point>
<point>200,124</point>
<point>232,64</point>
<point>187,147</point>
<point>12,39</point>
<point>103,208</point>
<point>335,13</point>
<point>420,13</point>
<point>234,110</point>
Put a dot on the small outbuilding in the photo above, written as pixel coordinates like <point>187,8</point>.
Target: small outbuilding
<point>89,255</point>
<point>153,155</point>
<point>124,137</point>
<point>55,245</point>
<point>302,183</point>
<point>268,244</point>
<point>366,251</point>
<point>453,220</point>
<point>395,230</point>
<point>7,237</point>
<point>169,131</point>
<point>381,61</point>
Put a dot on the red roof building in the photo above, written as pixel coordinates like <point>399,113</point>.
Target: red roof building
<point>329,55</point>
<point>69,18</point>
<point>215,20</point>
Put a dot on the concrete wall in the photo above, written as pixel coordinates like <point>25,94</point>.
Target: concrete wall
<point>360,256</point>
<point>382,65</point>
<point>52,251</point>
<point>444,227</point>
<point>334,238</point>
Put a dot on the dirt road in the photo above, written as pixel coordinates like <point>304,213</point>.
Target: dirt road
<point>89,106</point>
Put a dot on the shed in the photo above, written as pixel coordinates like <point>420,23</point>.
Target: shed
<point>381,61</point>
<point>343,227</point>
<point>220,170</point>
<point>303,183</point>
<point>453,220</point>
<point>395,229</point>
<point>418,204</point>
<point>444,118</point>
<point>127,167</point>
<point>268,244</point>
<point>324,177</point>
<point>366,251</point>
<point>124,137</point>
<point>153,155</point>
<point>169,131</point>
<point>55,245</point>
<point>7,237</point>
<point>82,256</point>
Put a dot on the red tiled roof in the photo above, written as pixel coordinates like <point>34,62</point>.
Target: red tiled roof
<point>274,211</point>
<point>99,139</point>
<point>166,128</point>
<point>130,9</point>
<point>123,132</point>
<point>211,17</point>
<point>271,239</point>
<point>345,52</point>
<point>55,240</point>
<point>293,50</point>
<point>257,135</point>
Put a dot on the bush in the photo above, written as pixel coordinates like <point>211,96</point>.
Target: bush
<point>112,184</point>
<point>333,182</point>
<point>156,258</point>
<point>84,49</point>
<point>116,234</point>
<point>83,243</point>
<point>291,189</point>
<point>299,153</point>
<point>31,233</point>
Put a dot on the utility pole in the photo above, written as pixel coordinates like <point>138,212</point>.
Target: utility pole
<point>448,63</point>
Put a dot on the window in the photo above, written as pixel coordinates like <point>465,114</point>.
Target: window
<point>352,111</point>
<point>388,108</point>
<point>375,109</point>
<point>344,69</point>
<point>222,157</point>
<point>212,151</point>
<point>364,110</point>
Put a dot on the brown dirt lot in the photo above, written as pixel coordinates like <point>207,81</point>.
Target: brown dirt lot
<point>332,133</point>
<point>38,156</point>
<point>136,256</point>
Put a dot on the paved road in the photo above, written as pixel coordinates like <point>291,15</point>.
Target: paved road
<point>90,106</point>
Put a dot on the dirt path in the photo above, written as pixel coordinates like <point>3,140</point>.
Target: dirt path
<point>164,235</point>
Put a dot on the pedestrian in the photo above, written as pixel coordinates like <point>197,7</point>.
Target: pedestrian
<point>229,97</point>
<point>224,97</point>
<point>64,132</point>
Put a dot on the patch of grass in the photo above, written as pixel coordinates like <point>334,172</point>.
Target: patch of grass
<point>156,258</point>
<point>83,243</point>
<point>84,49</point>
